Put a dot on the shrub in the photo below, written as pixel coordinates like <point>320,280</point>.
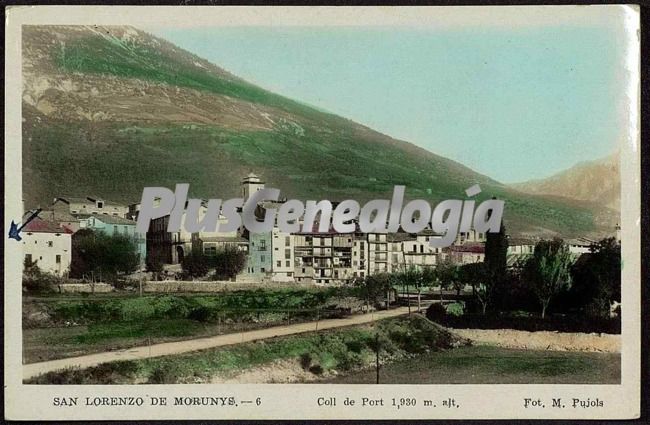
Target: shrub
<point>36,281</point>
<point>163,375</point>
<point>436,312</point>
<point>305,361</point>
<point>456,309</point>
<point>316,369</point>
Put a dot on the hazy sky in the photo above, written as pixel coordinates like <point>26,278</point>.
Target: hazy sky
<point>514,104</point>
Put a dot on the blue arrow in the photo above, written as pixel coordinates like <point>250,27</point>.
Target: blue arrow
<point>14,230</point>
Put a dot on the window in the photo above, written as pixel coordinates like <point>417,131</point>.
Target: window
<point>58,259</point>
<point>287,240</point>
<point>262,269</point>
<point>279,263</point>
<point>287,254</point>
<point>262,258</point>
<point>263,245</point>
<point>100,204</point>
<point>115,230</point>
<point>288,263</point>
<point>125,231</point>
<point>50,244</point>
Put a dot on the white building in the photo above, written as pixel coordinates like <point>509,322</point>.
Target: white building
<point>49,245</point>
<point>360,256</point>
<point>579,245</point>
<point>89,205</point>
<point>282,256</point>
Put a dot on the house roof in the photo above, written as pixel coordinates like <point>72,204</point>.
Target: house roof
<point>226,239</point>
<point>580,242</point>
<point>400,237</point>
<point>111,219</point>
<point>471,248</point>
<point>87,200</point>
<point>57,216</point>
<point>520,241</point>
<point>38,225</point>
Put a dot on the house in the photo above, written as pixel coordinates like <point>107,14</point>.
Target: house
<point>377,253</point>
<point>49,244</point>
<point>521,246</point>
<point>467,253</point>
<point>171,247</point>
<point>412,250</point>
<point>359,255</point>
<point>260,255</point>
<point>114,225</point>
<point>579,245</point>
<point>89,205</point>
<point>61,218</point>
<point>282,245</point>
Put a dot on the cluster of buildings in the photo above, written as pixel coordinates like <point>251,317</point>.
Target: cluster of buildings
<point>304,257</point>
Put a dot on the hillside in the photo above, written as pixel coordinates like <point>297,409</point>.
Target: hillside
<point>109,110</point>
<point>596,181</point>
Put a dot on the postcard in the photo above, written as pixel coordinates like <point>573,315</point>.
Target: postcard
<point>322,212</point>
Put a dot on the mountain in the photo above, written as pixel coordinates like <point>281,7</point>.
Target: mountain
<point>596,181</point>
<point>110,110</point>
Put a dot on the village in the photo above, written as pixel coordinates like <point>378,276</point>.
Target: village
<point>318,258</point>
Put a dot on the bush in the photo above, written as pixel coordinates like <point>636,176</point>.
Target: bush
<point>36,281</point>
<point>316,369</point>
<point>436,312</point>
<point>163,375</point>
<point>195,264</point>
<point>456,309</point>
<point>305,361</point>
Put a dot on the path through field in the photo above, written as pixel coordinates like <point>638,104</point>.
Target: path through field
<point>178,347</point>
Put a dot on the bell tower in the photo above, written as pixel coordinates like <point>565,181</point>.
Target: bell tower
<point>250,184</point>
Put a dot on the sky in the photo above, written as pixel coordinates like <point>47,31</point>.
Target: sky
<point>513,103</point>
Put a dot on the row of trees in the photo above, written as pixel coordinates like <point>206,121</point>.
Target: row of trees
<point>224,264</point>
<point>550,274</point>
<point>98,255</point>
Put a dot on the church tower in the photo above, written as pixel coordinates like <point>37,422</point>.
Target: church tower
<point>250,184</point>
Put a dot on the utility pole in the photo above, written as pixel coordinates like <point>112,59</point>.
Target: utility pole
<point>377,355</point>
<point>408,292</point>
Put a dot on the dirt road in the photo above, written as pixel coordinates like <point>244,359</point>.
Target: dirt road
<point>178,347</point>
<point>552,341</point>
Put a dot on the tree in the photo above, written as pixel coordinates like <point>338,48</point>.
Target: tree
<point>228,263</point>
<point>37,281</point>
<point>99,254</point>
<point>195,264</point>
<point>478,276</point>
<point>597,277</point>
<point>448,275</point>
<point>496,257</point>
<point>155,266</point>
<point>373,286</point>
<point>548,270</point>
<point>416,277</point>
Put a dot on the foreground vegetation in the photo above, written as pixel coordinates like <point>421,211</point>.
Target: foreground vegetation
<point>339,350</point>
<point>493,365</point>
<point>64,326</point>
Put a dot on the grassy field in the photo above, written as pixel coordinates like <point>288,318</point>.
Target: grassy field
<point>493,365</point>
<point>341,350</point>
<point>82,325</point>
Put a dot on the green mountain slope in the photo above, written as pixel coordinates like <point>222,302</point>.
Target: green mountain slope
<point>109,110</point>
